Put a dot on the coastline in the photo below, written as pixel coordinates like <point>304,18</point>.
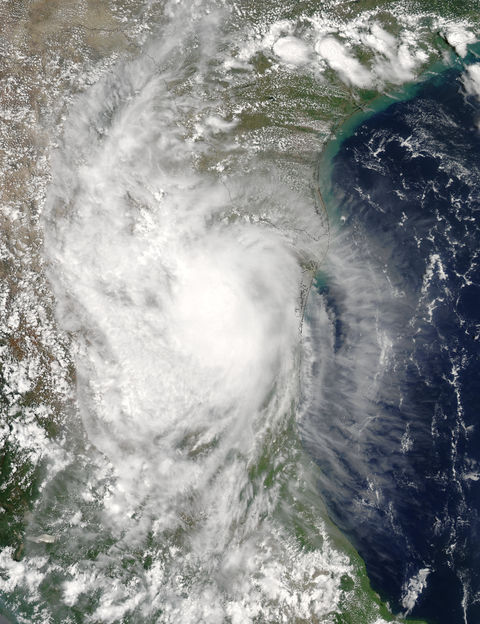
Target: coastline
<point>329,207</point>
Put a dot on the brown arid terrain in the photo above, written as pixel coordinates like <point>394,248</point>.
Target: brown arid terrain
<point>50,50</point>
<point>168,233</point>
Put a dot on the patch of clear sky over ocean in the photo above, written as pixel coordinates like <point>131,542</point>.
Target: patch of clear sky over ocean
<point>406,446</point>
<point>179,491</point>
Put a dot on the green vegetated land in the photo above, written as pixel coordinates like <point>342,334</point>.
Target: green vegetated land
<point>315,115</point>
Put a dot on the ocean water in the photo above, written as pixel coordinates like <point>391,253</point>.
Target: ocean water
<point>398,375</point>
<point>208,357</point>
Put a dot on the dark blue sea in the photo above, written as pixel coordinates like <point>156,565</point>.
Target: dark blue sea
<point>394,416</point>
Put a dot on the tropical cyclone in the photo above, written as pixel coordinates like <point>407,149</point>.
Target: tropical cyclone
<point>226,189</point>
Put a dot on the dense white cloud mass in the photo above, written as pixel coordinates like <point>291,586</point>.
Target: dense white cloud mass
<point>459,36</point>
<point>347,66</point>
<point>182,288</point>
<point>291,50</point>
<point>181,259</point>
<point>471,80</point>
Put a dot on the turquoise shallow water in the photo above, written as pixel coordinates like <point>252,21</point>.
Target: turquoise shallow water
<point>403,285</point>
<point>374,106</point>
<point>175,489</point>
